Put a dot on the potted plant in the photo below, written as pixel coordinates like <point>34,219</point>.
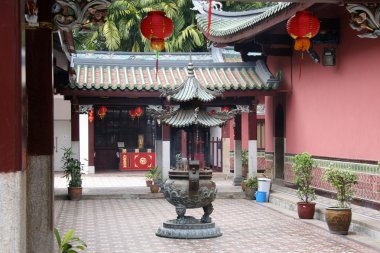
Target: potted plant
<point>251,187</point>
<point>303,166</point>
<point>244,162</point>
<point>148,178</point>
<point>155,187</point>
<point>338,218</point>
<point>73,174</point>
<point>69,243</point>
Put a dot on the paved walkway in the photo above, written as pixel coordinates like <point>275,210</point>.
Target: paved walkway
<point>117,223</point>
<point>129,225</point>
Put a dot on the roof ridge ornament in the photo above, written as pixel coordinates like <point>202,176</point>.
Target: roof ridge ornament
<point>364,18</point>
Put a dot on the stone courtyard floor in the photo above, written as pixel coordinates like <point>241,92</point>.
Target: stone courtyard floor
<point>129,225</point>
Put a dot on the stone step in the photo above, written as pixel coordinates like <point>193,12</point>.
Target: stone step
<point>360,224</point>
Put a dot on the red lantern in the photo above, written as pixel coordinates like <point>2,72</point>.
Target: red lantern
<point>156,27</point>
<point>138,111</point>
<point>102,112</point>
<point>91,115</point>
<point>302,27</point>
<point>212,112</point>
<point>132,113</point>
<point>225,109</point>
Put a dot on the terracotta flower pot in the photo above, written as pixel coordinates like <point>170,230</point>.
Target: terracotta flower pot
<point>154,188</point>
<point>75,193</point>
<point>305,210</point>
<point>338,220</point>
<point>243,186</point>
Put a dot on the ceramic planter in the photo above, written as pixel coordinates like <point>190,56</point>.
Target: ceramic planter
<point>305,210</point>
<point>338,220</point>
<point>148,183</point>
<point>75,193</point>
<point>250,193</point>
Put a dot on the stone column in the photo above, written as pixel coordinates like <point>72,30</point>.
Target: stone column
<point>83,140</point>
<point>91,147</point>
<point>75,128</point>
<point>165,151</point>
<point>226,142</point>
<point>159,147</point>
<point>238,171</point>
<point>39,85</point>
<point>12,130</point>
<point>252,141</point>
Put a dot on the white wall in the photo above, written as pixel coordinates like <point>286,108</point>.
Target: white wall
<point>62,110</point>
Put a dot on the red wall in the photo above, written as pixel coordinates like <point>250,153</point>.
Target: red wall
<point>333,111</point>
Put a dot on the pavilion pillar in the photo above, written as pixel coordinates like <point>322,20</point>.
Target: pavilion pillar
<point>12,134</point>
<point>226,147</point>
<point>165,151</point>
<point>238,170</point>
<point>252,141</point>
<point>91,147</point>
<point>39,85</point>
<point>75,128</point>
<point>159,146</point>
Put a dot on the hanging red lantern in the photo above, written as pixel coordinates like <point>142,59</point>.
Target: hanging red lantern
<point>102,112</point>
<point>302,27</point>
<point>156,27</point>
<point>138,111</point>
<point>91,115</point>
<point>225,109</point>
<point>132,113</point>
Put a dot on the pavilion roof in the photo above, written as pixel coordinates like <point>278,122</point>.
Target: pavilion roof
<point>228,23</point>
<point>188,117</point>
<point>122,73</point>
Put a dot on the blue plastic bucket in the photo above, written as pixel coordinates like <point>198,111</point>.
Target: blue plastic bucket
<point>261,196</point>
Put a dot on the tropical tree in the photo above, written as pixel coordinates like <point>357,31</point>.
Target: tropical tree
<point>121,30</point>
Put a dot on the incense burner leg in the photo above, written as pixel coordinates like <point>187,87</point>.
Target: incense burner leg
<point>208,211</point>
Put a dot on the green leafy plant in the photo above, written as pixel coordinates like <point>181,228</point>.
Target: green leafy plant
<point>154,174</point>
<point>69,244</point>
<point>251,182</point>
<point>343,181</point>
<point>72,168</point>
<point>303,166</point>
<point>244,157</point>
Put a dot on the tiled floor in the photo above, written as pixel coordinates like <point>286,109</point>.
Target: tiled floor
<point>129,225</point>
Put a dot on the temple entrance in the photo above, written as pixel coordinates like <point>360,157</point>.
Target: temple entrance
<point>121,132</point>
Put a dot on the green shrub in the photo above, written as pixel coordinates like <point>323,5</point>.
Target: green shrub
<point>251,182</point>
<point>72,168</point>
<point>244,158</point>
<point>69,244</point>
<point>343,181</point>
<point>303,166</point>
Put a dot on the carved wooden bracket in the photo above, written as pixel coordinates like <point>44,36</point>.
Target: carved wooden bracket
<point>365,17</point>
<point>69,14</point>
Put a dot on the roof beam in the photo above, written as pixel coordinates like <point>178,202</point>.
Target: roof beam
<point>314,1</point>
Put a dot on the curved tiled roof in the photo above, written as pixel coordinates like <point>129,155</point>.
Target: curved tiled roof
<point>137,75</point>
<point>224,25</point>
<point>189,117</point>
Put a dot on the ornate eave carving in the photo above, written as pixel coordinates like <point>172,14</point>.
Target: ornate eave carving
<point>70,14</point>
<point>365,18</point>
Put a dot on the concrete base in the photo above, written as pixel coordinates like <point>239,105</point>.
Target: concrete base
<point>226,155</point>
<point>91,170</point>
<point>191,229</point>
<point>13,212</point>
<point>238,180</point>
<point>40,204</point>
<point>252,158</point>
